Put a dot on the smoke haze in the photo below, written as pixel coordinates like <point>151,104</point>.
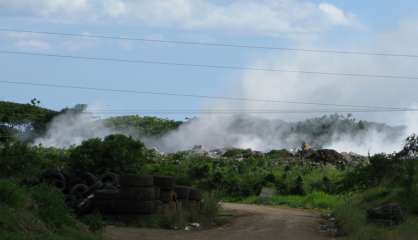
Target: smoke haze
<point>267,132</point>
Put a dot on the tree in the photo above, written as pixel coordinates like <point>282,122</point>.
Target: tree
<point>410,149</point>
<point>35,102</point>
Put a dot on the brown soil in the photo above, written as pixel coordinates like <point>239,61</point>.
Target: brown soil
<point>254,222</point>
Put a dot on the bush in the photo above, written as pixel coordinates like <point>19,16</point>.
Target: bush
<point>49,206</point>
<point>116,153</point>
<point>351,216</point>
<point>298,188</point>
<point>95,222</point>
<point>17,159</point>
<point>12,195</point>
<point>37,213</point>
<point>20,160</point>
<point>209,210</point>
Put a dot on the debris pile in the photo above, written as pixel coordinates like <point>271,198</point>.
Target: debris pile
<point>112,194</point>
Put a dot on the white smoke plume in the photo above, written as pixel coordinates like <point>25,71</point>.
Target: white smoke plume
<point>266,132</point>
<point>72,128</point>
<point>263,134</point>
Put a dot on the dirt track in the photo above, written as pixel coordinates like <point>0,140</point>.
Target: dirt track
<point>258,222</point>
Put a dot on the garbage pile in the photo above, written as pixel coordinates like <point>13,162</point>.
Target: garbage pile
<point>324,156</point>
<point>112,194</point>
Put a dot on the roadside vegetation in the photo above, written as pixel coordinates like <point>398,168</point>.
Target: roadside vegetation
<point>346,191</point>
<point>37,213</point>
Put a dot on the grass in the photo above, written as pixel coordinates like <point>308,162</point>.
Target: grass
<point>314,200</point>
<point>37,213</point>
<point>351,216</point>
<point>350,211</point>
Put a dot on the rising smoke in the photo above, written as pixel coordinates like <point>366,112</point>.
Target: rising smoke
<point>267,132</point>
<point>72,128</point>
<point>341,133</point>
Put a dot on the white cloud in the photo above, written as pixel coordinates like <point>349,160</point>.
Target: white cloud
<point>24,41</point>
<point>335,15</point>
<point>32,44</point>
<point>265,17</point>
<point>115,8</point>
<point>36,42</point>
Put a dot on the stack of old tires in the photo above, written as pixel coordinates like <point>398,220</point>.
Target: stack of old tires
<point>188,197</point>
<point>137,195</point>
<point>195,198</point>
<point>77,187</point>
<point>183,194</point>
<point>167,195</point>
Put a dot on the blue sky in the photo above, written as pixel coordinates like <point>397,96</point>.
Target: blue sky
<point>329,24</point>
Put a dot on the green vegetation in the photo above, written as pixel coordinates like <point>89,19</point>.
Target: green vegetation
<point>347,192</point>
<point>148,126</point>
<point>37,213</point>
<point>352,217</point>
<point>316,200</point>
<point>116,153</point>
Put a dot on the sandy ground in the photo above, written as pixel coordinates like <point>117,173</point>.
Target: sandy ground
<point>254,222</point>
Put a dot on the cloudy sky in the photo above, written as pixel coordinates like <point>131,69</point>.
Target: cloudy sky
<point>370,26</point>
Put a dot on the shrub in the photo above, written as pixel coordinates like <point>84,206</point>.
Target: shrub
<point>17,159</point>
<point>298,188</point>
<point>95,222</point>
<point>116,153</point>
<point>209,209</point>
<point>50,207</point>
<point>12,195</point>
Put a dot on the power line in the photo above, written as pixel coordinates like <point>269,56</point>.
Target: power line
<point>244,110</point>
<point>232,111</point>
<point>223,112</point>
<point>213,44</point>
<point>121,60</point>
<point>225,98</point>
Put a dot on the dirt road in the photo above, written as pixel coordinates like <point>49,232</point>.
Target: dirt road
<point>257,222</point>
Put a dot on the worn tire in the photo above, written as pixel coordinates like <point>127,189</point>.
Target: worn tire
<point>195,194</point>
<point>79,191</point>
<point>134,207</point>
<point>138,193</point>
<point>106,194</point>
<point>54,178</point>
<point>110,179</point>
<point>84,207</point>
<point>70,201</point>
<point>136,181</point>
<point>164,182</point>
<point>157,193</point>
<point>183,192</point>
<point>168,196</point>
<point>104,205</point>
<point>192,204</point>
<point>89,178</point>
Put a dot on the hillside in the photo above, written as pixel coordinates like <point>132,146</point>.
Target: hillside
<point>146,126</point>
<point>30,122</point>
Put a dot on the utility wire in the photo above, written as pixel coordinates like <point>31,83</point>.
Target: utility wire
<point>222,112</point>
<point>243,110</point>
<point>213,44</point>
<point>232,112</point>
<point>225,98</point>
<point>121,60</point>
